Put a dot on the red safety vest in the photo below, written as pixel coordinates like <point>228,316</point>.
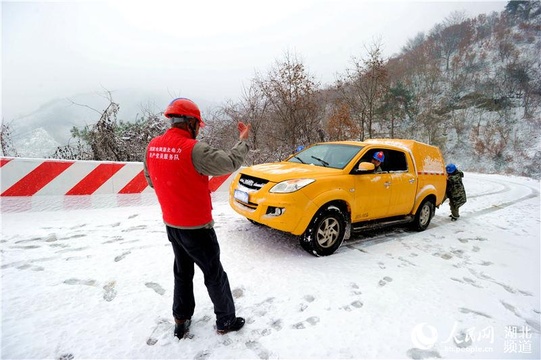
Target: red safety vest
<point>182,192</point>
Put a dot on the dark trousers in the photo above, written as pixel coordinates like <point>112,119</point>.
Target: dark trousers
<point>199,246</point>
<point>454,209</point>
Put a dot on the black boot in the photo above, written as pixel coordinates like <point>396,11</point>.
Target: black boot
<point>182,327</point>
<point>235,325</point>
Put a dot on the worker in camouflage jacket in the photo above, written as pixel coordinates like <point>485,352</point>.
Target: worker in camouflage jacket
<point>455,190</point>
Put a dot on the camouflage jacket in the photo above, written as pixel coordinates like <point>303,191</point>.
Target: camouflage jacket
<point>455,189</point>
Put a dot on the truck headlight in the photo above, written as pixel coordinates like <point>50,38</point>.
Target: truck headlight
<point>290,186</point>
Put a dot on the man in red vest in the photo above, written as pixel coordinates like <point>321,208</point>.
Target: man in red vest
<point>178,167</point>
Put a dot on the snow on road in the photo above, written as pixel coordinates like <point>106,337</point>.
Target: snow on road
<point>97,283</point>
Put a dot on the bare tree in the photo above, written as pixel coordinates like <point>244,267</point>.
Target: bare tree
<point>254,108</point>
<point>363,88</point>
<point>220,130</point>
<point>492,139</point>
<point>6,141</point>
<point>340,125</point>
<point>449,36</point>
<point>413,43</point>
<point>292,106</point>
<point>396,106</point>
<point>112,139</point>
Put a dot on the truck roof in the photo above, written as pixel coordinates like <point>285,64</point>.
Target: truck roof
<point>427,158</point>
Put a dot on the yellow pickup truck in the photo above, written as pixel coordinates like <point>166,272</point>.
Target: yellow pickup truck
<point>330,189</point>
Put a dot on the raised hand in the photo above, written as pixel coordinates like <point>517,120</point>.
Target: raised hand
<point>244,130</point>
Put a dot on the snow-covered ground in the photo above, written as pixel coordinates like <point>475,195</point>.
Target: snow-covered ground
<point>97,283</point>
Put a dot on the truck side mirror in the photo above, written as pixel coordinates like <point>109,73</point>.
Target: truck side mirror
<point>365,167</point>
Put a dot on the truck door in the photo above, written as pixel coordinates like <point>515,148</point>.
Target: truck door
<point>372,196</point>
<point>403,182</point>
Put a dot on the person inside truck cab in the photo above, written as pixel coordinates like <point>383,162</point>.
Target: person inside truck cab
<point>376,157</point>
<point>377,160</point>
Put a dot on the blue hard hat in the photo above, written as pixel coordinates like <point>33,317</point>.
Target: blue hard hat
<point>379,156</point>
<point>451,168</point>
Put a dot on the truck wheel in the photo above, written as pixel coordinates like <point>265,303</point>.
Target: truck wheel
<point>424,215</point>
<point>325,233</point>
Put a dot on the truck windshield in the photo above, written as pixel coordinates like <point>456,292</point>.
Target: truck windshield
<point>327,155</point>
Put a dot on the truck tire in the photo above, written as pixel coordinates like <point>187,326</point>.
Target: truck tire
<point>424,214</point>
<point>325,233</point>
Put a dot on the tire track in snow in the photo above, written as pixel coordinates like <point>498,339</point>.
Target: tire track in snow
<point>533,193</point>
<point>504,187</point>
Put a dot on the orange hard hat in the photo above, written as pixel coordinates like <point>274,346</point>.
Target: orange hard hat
<point>182,108</point>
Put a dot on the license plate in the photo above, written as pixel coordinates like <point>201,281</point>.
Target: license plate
<point>241,196</point>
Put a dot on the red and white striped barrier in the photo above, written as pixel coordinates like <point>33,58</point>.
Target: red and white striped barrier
<point>22,177</point>
<point>29,177</point>
<point>32,177</point>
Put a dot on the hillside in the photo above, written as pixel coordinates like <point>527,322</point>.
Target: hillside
<point>488,98</point>
<point>473,87</point>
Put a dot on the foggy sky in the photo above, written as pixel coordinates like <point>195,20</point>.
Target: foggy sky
<point>199,49</point>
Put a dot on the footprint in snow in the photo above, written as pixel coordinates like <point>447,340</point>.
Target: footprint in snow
<point>385,280</point>
<point>121,257</point>
<point>356,304</point>
<point>416,353</point>
<point>66,357</point>
<point>109,291</point>
<point>202,355</point>
<point>313,320</point>
<point>277,325</point>
<point>238,293</point>
<point>257,348</point>
<point>356,289</point>
<point>156,287</point>
<point>74,281</point>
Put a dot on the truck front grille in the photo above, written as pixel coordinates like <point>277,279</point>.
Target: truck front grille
<point>252,183</point>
